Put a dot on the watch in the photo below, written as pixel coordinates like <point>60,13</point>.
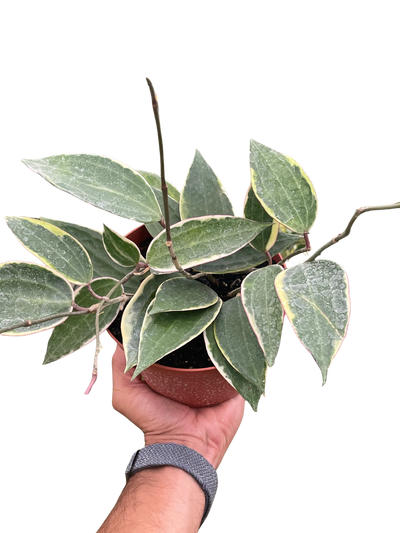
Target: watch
<point>171,454</point>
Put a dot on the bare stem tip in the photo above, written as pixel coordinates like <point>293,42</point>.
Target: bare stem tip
<point>93,381</point>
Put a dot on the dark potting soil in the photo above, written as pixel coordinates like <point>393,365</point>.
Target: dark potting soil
<point>194,353</point>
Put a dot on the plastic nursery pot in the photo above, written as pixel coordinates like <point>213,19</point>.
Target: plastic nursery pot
<point>201,387</point>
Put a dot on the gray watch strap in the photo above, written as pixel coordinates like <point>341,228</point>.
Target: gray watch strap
<point>171,454</point>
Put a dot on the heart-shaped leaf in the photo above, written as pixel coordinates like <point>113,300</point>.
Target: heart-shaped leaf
<point>203,193</point>
<point>315,297</point>
<point>32,292</point>
<point>244,387</point>
<point>181,294</point>
<point>201,240</point>
<point>56,248</point>
<point>77,331</point>
<point>165,332</point>
<point>120,249</point>
<point>234,336</point>
<point>283,188</point>
<point>102,182</point>
<point>264,309</point>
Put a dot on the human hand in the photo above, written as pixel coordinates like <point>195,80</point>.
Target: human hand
<point>208,430</point>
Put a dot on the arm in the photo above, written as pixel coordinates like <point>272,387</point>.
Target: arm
<point>157,500</point>
<point>167,499</point>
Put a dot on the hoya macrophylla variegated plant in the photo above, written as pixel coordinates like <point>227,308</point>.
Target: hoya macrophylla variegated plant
<point>207,274</point>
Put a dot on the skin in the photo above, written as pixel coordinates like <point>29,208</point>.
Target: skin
<point>207,430</point>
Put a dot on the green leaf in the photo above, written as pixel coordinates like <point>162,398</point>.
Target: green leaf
<point>32,292</point>
<point>77,331</point>
<point>244,387</point>
<point>120,249</point>
<point>238,342</point>
<point>56,248</point>
<point>283,188</point>
<point>102,182</point>
<point>201,240</point>
<point>103,265</point>
<point>165,332</point>
<point>315,297</point>
<point>264,309</point>
<point>203,193</point>
<point>154,181</point>
<point>134,313</point>
<point>255,211</point>
<point>245,258</point>
<point>181,294</point>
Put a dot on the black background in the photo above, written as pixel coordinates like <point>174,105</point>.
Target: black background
<point>309,449</point>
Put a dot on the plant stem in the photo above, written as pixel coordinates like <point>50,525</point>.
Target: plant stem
<point>156,115</point>
<point>89,287</point>
<point>82,311</point>
<point>307,240</point>
<point>336,238</point>
<point>234,292</point>
<point>308,248</point>
<point>347,231</point>
<point>269,257</point>
<point>164,186</point>
<point>138,271</point>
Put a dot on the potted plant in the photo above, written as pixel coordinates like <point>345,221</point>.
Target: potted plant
<point>186,374</point>
<point>198,280</point>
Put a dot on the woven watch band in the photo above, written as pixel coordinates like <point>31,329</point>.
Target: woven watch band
<point>171,454</point>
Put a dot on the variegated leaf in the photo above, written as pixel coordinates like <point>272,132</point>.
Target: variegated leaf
<point>120,249</point>
<point>245,258</point>
<point>255,211</point>
<point>154,228</point>
<point>181,294</point>
<point>154,180</point>
<point>287,242</point>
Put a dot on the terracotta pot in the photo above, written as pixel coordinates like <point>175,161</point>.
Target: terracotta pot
<point>201,387</point>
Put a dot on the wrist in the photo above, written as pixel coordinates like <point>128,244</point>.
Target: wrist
<point>161,456</point>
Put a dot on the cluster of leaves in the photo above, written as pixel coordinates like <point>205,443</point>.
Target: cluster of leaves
<point>85,269</point>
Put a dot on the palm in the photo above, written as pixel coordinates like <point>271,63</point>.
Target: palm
<point>209,429</point>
